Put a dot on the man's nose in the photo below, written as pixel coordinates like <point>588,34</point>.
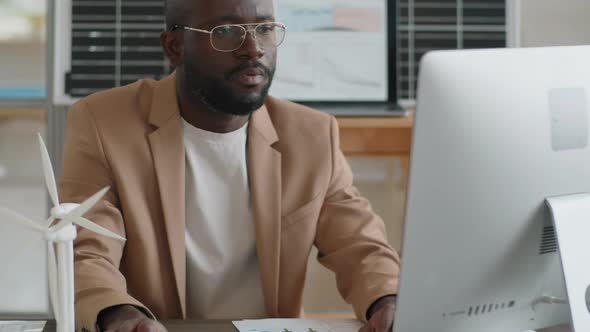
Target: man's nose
<point>251,48</point>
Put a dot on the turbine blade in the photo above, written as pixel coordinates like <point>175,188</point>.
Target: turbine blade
<point>86,205</point>
<point>85,223</point>
<point>48,172</point>
<point>11,216</point>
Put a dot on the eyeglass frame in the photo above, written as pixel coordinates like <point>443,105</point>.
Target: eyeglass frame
<point>243,26</point>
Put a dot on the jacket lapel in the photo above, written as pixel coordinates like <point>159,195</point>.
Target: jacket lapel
<point>169,159</point>
<point>264,168</point>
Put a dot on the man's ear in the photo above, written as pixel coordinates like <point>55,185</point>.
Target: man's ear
<point>172,45</point>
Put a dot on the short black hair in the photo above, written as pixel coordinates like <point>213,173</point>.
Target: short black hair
<point>172,13</point>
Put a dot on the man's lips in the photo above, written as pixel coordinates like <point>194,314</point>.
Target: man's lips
<point>251,76</point>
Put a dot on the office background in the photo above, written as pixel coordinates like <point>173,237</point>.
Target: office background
<point>25,110</point>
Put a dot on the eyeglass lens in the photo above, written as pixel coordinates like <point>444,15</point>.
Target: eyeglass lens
<point>231,37</point>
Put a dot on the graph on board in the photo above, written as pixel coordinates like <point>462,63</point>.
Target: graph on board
<point>335,50</point>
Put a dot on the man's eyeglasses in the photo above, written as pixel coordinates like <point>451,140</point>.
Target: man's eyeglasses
<point>230,37</point>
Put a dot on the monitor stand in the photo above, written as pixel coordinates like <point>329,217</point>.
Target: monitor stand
<point>571,218</point>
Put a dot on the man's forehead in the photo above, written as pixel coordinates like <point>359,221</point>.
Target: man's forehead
<point>205,11</point>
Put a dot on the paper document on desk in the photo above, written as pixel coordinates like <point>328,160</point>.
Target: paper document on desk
<point>298,325</point>
<point>22,326</point>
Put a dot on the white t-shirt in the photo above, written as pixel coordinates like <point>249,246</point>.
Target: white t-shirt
<point>223,277</point>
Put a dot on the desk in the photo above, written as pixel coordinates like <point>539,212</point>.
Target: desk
<point>226,326</point>
<point>183,326</point>
<point>371,137</point>
<point>376,137</point>
<point>15,113</point>
<point>391,136</point>
<point>359,136</point>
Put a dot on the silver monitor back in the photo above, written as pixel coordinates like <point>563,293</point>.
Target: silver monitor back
<point>496,132</point>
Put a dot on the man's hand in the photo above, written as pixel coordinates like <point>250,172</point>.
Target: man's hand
<point>381,315</point>
<point>127,318</point>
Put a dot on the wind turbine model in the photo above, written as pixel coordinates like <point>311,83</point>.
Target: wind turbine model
<point>61,269</point>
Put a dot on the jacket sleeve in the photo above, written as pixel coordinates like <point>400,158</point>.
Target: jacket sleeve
<point>98,282</point>
<point>352,241</point>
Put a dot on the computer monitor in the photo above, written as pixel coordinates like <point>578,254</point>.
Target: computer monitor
<point>496,133</point>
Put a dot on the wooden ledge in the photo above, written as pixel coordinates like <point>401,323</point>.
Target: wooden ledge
<point>375,137</point>
<point>377,122</point>
<point>22,113</point>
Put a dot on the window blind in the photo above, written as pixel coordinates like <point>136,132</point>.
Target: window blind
<point>424,25</point>
<point>114,43</point>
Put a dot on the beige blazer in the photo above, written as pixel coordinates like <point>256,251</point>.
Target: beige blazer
<point>131,139</point>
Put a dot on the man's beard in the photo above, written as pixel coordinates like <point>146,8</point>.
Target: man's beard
<point>218,98</point>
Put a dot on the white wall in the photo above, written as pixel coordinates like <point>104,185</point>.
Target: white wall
<point>22,64</point>
<point>22,187</point>
<point>555,22</point>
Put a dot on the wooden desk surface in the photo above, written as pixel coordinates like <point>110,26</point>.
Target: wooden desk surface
<point>183,326</point>
<point>227,326</point>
